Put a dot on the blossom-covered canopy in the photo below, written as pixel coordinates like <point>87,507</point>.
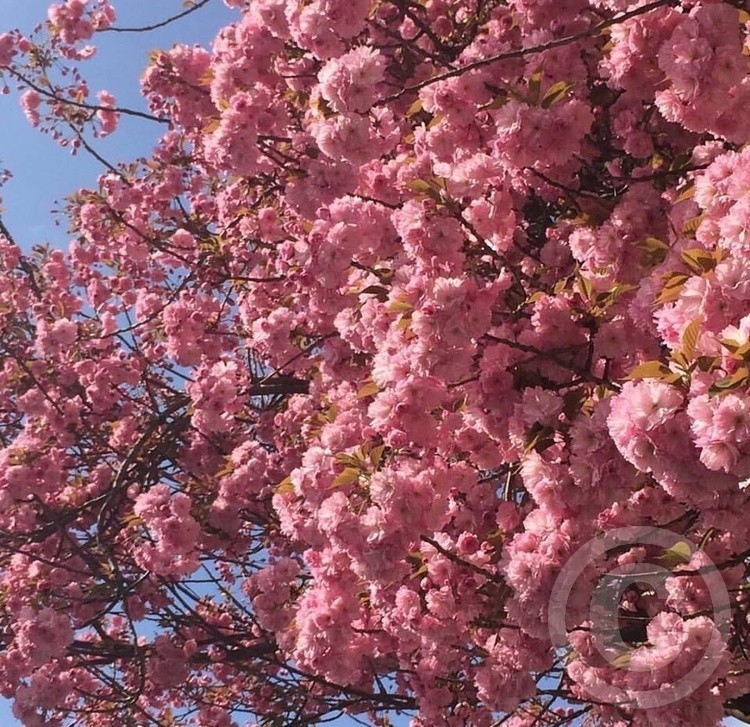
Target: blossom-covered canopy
<point>412,300</point>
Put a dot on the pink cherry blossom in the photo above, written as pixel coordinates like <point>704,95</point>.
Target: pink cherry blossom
<point>408,304</point>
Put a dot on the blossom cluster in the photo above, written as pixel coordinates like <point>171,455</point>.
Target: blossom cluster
<point>411,300</point>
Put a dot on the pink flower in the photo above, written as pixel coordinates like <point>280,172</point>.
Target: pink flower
<point>350,82</point>
<point>43,635</point>
<point>107,117</point>
<point>7,48</point>
<point>174,530</point>
<point>30,101</point>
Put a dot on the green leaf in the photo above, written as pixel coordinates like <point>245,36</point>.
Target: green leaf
<point>673,284</point>
<point>689,228</point>
<point>459,404</point>
<point>656,250</point>
<point>286,485</point>
<point>369,388</point>
<point>538,438</point>
<point>681,360</point>
<point>728,383</point>
<point>686,193</point>
<point>499,101</point>
<point>348,476</point>
<point>651,244</point>
<point>707,363</point>
<point>419,185</point>
<point>690,337</point>
<point>585,287</point>
<point>622,661</point>
<point>650,370</point>
<point>730,345</point>
<point>348,459</point>
<point>678,554</point>
<point>378,291</point>
<point>535,87</point>
<point>555,93</point>
<point>706,538</point>
<point>435,121</point>
<point>432,188</point>
<point>414,109</point>
<point>699,260</point>
<point>376,455</point>
<point>534,297</point>
<point>400,306</point>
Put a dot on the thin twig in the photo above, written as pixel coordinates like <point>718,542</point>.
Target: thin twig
<point>51,94</point>
<point>156,26</point>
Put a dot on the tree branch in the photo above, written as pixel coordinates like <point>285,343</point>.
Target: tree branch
<point>521,52</point>
<point>156,26</point>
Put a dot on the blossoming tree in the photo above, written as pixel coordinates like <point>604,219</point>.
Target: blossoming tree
<point>412,299</point>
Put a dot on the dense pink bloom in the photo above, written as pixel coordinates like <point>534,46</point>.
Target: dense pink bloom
<point>7,48</point>
<point>409,303</point>
<point>350,82</point>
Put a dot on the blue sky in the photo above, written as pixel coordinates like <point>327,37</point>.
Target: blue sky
<point>43,171</point>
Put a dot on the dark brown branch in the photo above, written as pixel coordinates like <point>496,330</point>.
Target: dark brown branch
<point>522,52</point>
<point>156,26</point>
<point>51,94</point>
<point>460,561</point>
